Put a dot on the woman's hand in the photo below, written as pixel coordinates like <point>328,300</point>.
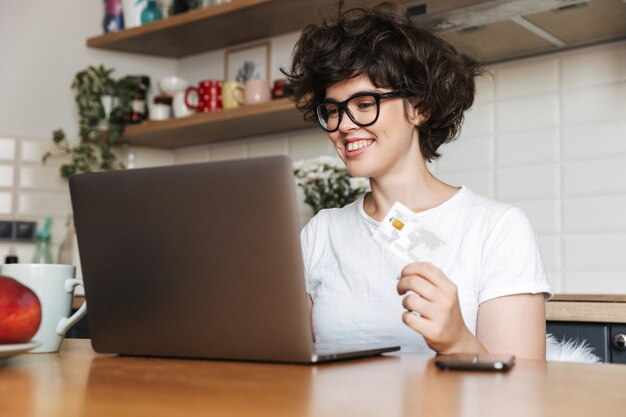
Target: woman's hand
<point>436,303</point>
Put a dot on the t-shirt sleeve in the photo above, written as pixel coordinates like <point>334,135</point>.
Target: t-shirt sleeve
<point>512,261</point>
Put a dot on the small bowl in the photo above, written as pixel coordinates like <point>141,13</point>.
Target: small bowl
<point>172,84</point>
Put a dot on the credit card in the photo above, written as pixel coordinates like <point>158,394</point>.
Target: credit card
<point>404,235</point>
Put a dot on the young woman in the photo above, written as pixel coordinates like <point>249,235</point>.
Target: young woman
<point>389,94</point>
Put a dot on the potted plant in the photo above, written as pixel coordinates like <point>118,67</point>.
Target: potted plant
<point>103,102</point>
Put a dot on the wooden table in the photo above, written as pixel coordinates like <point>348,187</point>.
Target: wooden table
<point>79,382</point>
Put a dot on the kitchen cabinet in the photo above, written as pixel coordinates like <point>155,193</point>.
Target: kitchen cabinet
<point>600,320</point>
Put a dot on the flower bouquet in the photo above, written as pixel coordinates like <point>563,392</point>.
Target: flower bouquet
<point>326,183</point>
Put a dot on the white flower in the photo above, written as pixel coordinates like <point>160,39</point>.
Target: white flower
<point>326,182</point>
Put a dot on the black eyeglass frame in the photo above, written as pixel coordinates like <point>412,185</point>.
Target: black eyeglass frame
<point>342,106</point>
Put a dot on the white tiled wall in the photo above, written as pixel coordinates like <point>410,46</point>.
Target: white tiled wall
<point>547,134</point>
<point>559,153</point>
<point>31,191</point>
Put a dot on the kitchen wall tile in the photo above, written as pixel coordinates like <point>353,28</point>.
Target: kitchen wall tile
<point>233,150</point>
<point>138,157</point>
<point>527,113</point>
<point>592,66</point>
<point>594,250</point>
<point>7,175</point>
<point>594,282</point>
<point>527,77</point>
<point>544,215</point>
<point>5,249</point>
<point>602,102</point>
<point>528,183</point>
<point>480,181</point>
<point>555,280</point>
<point>40,176</point>
<point>268,147</point>
<point>192,155</point>
<point>550,251</point>
<point>6,202</point>
<point>527,148</point>
<point>282,47</point>
<point>44,203</point>
<point>310,144</point>
<point>479,120</point>
<point>595,139</point>
<point>32,149</point>
<point>7,149</point>
<point>26,251</point>
<point>595,214</point>
<point>485,88</point>
<point>595,177</point>
<point>466,154</point>
<point>204,66</point>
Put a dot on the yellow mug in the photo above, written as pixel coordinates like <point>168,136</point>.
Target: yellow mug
<point>232,94</point>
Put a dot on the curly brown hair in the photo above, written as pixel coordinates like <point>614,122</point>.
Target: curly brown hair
<point>383,43</point>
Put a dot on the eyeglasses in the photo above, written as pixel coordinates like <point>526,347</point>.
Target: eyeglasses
<point>362,108</point>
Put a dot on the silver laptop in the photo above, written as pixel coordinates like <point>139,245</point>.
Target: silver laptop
<point>198,261</point>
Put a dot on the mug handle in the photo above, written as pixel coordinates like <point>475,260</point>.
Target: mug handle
<point>67,322</point>
<point>238,92</point>
<point>187,91</point>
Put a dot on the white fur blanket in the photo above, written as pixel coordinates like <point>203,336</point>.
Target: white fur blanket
<point>569,350</point>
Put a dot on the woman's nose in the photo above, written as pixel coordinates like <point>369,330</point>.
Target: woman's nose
<point>347,124</point>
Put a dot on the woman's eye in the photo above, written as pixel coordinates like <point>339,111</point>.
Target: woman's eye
<point>332,112</point>
<point>366,105</point>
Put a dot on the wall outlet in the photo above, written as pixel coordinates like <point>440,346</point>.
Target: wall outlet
<point>25,231</point>
<point>6,230</point>
<point>22,231</point>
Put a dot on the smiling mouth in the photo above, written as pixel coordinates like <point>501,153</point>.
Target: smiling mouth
<point>359,144</point>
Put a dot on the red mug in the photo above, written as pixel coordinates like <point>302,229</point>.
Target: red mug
<point>209,94</point>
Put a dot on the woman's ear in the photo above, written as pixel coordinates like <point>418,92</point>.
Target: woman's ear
<point>414,115</point>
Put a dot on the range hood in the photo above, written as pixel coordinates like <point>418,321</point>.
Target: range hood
<point>500,30</point>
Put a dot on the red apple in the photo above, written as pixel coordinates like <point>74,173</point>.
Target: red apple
<point>20,312</point>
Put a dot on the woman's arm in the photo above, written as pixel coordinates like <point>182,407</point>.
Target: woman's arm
<point>513,324</point>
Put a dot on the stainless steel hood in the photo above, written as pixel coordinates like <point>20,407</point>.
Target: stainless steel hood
<point>500,30</point>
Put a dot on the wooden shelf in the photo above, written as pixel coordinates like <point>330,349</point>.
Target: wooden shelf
<point>276,116</point>
<point>215,27</point>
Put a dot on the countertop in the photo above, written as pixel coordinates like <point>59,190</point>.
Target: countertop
<point>587,308</point>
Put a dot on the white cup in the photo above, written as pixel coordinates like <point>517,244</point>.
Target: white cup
<point>159,111</point>
<point>180,108</point>
<point>54,285</point>
<point>132,12</point>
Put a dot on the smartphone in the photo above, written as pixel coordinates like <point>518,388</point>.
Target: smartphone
<point>475,361</point>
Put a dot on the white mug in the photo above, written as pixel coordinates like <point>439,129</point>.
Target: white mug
<point>54,285</point>
<point>180,108</point>
<point>132,12</point>
<point>160,111</point>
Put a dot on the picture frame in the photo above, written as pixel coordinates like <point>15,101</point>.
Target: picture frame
<point>258,54</point>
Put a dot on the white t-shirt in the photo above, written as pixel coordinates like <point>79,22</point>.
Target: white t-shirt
<point>487,248</point>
